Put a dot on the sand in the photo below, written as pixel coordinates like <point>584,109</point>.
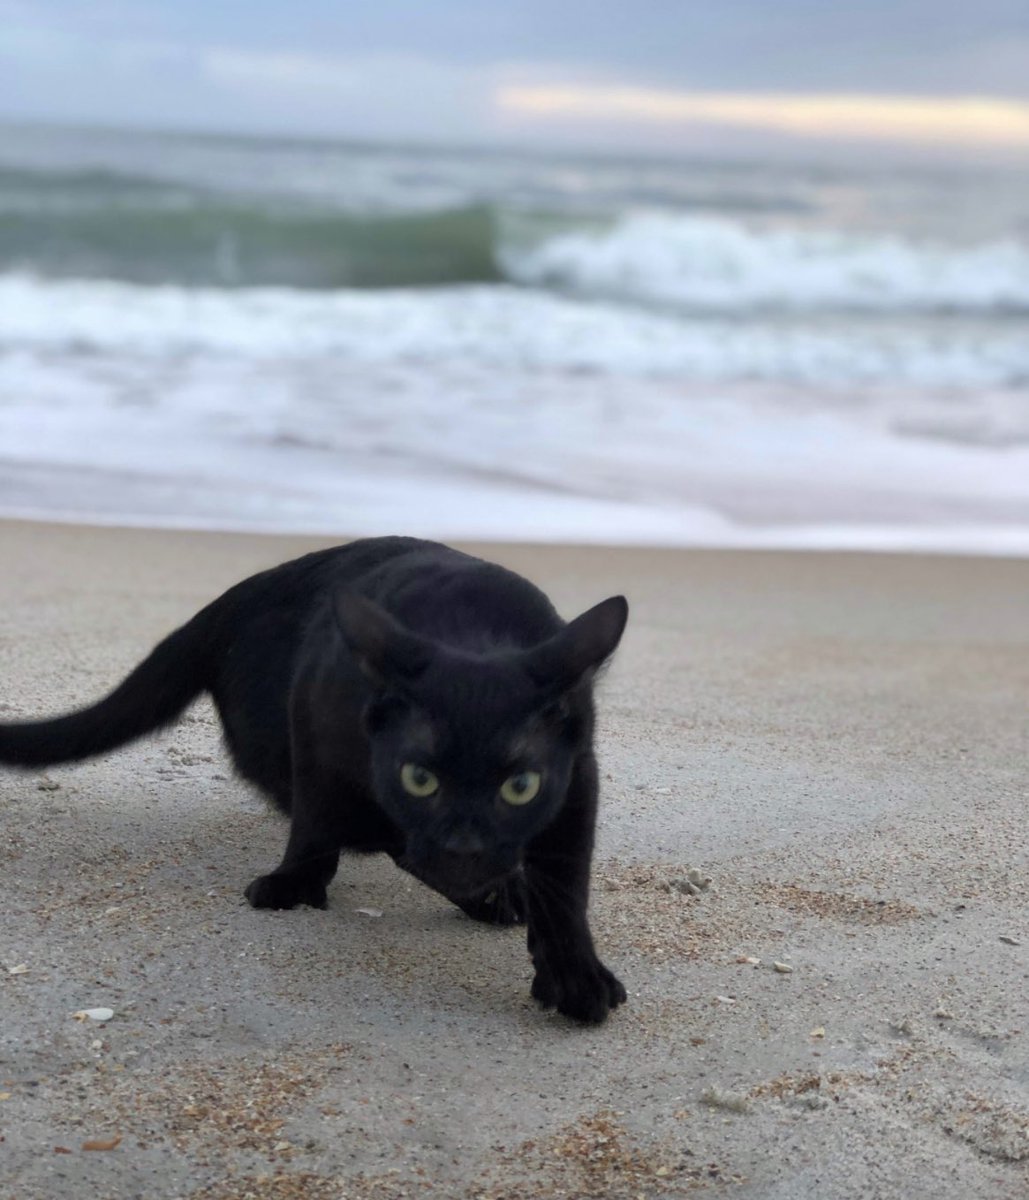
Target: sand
<point>839,742</point>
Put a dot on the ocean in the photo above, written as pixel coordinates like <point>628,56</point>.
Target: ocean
<point>335,338</point>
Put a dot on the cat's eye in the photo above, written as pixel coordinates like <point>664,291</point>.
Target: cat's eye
<point>521,788</point>
<point>418,781</point>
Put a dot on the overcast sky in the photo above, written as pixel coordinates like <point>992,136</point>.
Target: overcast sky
<point>663,74</point>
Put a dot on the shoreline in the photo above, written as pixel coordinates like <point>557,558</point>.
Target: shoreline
<point>1015,550</point>
<point>836,739</point>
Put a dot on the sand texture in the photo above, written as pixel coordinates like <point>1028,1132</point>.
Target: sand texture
<point>838,742</point>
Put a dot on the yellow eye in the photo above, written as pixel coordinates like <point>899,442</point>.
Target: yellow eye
<point>417,781</point>
<point>520,789</point>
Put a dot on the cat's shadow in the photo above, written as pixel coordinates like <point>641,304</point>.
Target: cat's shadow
<point>190,863</point>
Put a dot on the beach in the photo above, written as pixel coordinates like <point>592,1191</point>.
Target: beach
<point>837,740</point>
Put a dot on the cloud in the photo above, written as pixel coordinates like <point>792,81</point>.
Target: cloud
<point>378,79</point>
<point>386,95</point>
<point>958,121</point>
<point>296,73</point>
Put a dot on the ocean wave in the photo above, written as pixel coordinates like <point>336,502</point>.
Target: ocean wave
<point>714,264</point>
<point>26,190</point>
<point>503,328</point>
<point>101,227</point>
<point>95,222</point>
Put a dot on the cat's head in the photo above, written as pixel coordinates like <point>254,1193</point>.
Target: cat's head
<point>472,754</point>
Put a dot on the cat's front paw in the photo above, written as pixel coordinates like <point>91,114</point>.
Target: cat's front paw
<point>286,891</point>
<point>584,989</point>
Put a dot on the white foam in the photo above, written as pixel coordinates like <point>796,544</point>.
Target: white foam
<point>716,264</point>
<point>486,412</point>
<point>503,329</point>
<point>458,450</point>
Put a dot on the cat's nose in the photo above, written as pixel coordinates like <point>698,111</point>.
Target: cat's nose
<point>463,841</point>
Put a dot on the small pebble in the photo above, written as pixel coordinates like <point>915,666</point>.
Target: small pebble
<point>20,969</point>
<point>783,968</point>
<point>1009,941</point>
<point>731,1101</point>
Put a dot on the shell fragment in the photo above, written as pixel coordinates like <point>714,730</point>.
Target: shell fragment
<point>94,1014</point>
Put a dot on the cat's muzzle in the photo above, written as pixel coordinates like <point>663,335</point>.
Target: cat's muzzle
<point>460,876</point>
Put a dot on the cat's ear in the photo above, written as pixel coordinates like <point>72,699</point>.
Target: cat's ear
<point>580,648</point>
<point>387,653</point>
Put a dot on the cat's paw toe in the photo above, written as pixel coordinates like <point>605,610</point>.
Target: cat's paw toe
<point>285,891</point>
<point>586,992</point>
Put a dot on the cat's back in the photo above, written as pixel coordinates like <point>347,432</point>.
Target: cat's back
<point>268,614</point>
<point>431,588</point>
<point>263,626</point>
<point>297,586</point>
<point>458,599</point>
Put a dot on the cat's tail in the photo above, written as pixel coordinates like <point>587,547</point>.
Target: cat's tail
<point>153,695</point>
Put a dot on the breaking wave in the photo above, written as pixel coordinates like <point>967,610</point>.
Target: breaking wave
<point>709,263</point>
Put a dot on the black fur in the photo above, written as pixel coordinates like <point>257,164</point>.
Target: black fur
<point>333,671</point>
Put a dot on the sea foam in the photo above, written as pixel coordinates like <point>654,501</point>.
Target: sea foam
<point>506,329</point>
<point>712,263</point>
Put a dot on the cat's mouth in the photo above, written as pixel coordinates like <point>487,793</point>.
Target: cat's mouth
<point>459,876</point>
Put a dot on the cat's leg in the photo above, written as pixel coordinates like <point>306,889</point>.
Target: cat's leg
<point>318,827</point>
<point>311,858</point>
<point>569,975</point>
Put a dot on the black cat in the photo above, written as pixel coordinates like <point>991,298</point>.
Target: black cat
<point>397,695</point>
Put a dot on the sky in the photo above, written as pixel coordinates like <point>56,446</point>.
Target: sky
<point>915,76</point>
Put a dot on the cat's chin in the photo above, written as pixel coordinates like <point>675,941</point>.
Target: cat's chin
<point>459,880</point>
